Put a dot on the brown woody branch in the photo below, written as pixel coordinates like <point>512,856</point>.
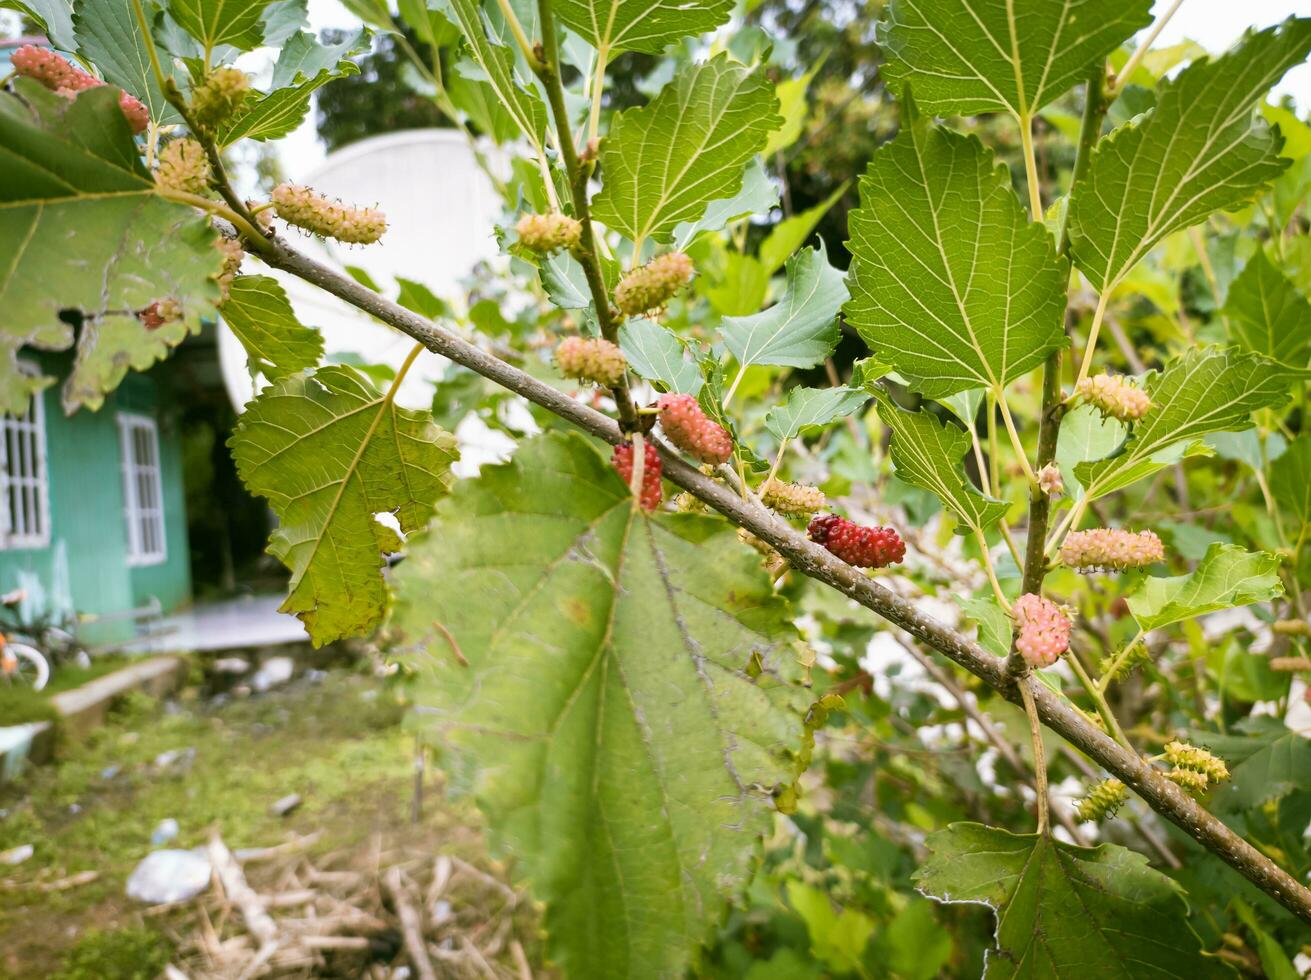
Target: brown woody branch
<point>814,561</point>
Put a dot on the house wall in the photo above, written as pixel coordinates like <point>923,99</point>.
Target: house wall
<point>88,534</point>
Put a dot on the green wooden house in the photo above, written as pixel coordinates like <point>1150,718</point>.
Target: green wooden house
<point>92,507</point>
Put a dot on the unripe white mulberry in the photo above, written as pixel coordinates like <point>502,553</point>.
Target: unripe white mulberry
<point>651,286</point>
<point>219,98</point>
<point>548,232</point>
<point>301,206</point>
<point>792,499</point>
<point>183,167</point>
<point>1181,755</point>
<point>1115,396</point>
<point>232,254</point>
<point>591,359</point>
<point>1050,481</point>
<point>1110,549</point>
<point>1102,800</point>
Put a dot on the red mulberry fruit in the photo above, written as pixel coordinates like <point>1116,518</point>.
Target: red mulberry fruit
<point>864,547</point>
<point>1044,630</point>
<point>623,462</point>
<point>688,428</point>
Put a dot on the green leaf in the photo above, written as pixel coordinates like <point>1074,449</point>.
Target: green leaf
<point>238,23</point>
<point>791,94</point>
<point>431,24</point>
<point>331,453</point>
<point>375,13</point>
<point>927,452</point>
<point>606,722</point>
<point>659,356</point>
<point>1290,478</point>
<point>641,25</point>
<point>742,288</point>
<point>303,58</point>
<point>1066,911</point>
<point>966,57</point>
<point>422,300</point>
<point>86,235</point>
<point>664,162</point>
<point>757,196</point>
<point>950,282</point>
<point>837,938</point>
<point>1271,761</point>
<point>108,35</point>
<point>497,63</point>
<point>1201,150</point>
<point>277,344</point>
<point>56,16</point>
<point>1203,391</point>
<point>1267,314</point>
<point>1085,435</point>
<point>1228,577</point>
<point>801,329</point>
<point>812,406</point>
<point>790,233</point>
<point>995,627</point>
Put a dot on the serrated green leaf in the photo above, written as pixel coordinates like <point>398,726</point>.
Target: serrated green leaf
<point>995,627</point>
<point>282,19</point>
<point>1267,314</point>
<point>606,721</point>
<point>806,407</point>
<point>80,171</point>
<point>303,57</point>
<point>663,163</point>
<point>950,281</point>
<point>641,25</point>
<point>108,35</point>
<point>56,16</point>
<point>801,329</point>
<point>237,23</point>
<point>330,453</point>
<point>1066,912</point>
<point>1290,478</point>
<point>965,57</point>
<point>791,233</point>
<point>927,452</point>
<point>1203,391</point>
<point>281,111</point>
<point>1085,435</point>
<point>1229,576</point>
<point>497,63</point>
<point>791,94</point>
<point>277,344</point>
<point>756,196</point>
<point>1266,762</point>
<point>472,94</point>
<point>657,355</point>
<point>1201,150</point>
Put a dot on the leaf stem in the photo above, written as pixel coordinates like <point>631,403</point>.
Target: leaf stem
<point>1098,315</point>
<point>245,228</point>
<point>1039,754</point>
<point>639,467</point>
<point>598,87</point>
<point>732,389</point>
<point>778,459</point>
<point>986,556</point>
<point>1016,444</point>
<point>1108,676</point>
<point>143,24</point>
<point>520,37</point>
<point>1030,166</point>
<point>1099,701</point>
<point>1122,76</point>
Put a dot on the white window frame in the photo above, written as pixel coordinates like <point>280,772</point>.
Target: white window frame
<point>26,432</point>
<point>143,513</point>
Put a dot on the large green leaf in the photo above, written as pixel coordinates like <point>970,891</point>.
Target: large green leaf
<point>1267,314</point>
<point>1203,391</point>
<point>1267,761</point>
<point>1200,150</point>
<point>927,452</point>
<point>641,25</point>
<point>277,344</point>
<point>87,237</point>
<point>1066,912</point>
<point>950,281</point>
<point>235,23</point>
<point>332,453</point>
<point>303,57</point>
<point>801,329</point>
<point>56,16</point>
<point>664,162</point>
<point>1227,577</point>
<point>607,721</point>
<point>807,407</point>
<point>497,63</point>
<point>970,56</point>
<point>659,356</point>
<point>791,233</point>
<point>108,35</point>
<point>1290,478</point>
<point>756,196</point>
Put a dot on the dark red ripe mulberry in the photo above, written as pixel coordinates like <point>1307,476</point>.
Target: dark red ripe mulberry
<point>864,547</point>
<point>623,462</point>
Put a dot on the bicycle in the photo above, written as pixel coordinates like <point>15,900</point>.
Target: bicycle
<point>23,664</point>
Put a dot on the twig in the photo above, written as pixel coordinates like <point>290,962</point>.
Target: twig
<point>258,921</point>
<point>411,924</point>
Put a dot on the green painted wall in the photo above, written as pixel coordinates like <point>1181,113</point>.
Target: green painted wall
<point>86,508</point>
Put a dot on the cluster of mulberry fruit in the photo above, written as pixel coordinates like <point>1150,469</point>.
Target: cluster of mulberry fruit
<point>651,286</point>
<point>1115,396</point>
<point>548,232</point>
<point>303,207</point>
<point>1102,800</point>
<point>219,98</point>
<point>183,167</point>
<point>791,499</point>
<point>623,463</point>
<point>1043,630</point>
<point>1181,755</point>
<point>44,66</point>
<point>591,359</point>
<point>1108,549</point>
<point>864,547</point>
<point>691,430</point>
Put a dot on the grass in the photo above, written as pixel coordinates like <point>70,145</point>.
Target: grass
<point>339,744</point>
<point>20,704</point>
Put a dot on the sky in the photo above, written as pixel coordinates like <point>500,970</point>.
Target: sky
<point>1214,24</point>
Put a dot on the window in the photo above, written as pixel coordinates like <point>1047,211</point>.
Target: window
<point>24,497</point>
<point>143,496</point>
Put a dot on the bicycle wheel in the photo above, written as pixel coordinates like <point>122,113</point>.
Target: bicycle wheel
<point>22,664</point>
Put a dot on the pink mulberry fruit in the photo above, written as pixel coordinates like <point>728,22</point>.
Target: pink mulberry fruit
<point>689,428</point>
<point>1044,630</point>
<point>623,463</point>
